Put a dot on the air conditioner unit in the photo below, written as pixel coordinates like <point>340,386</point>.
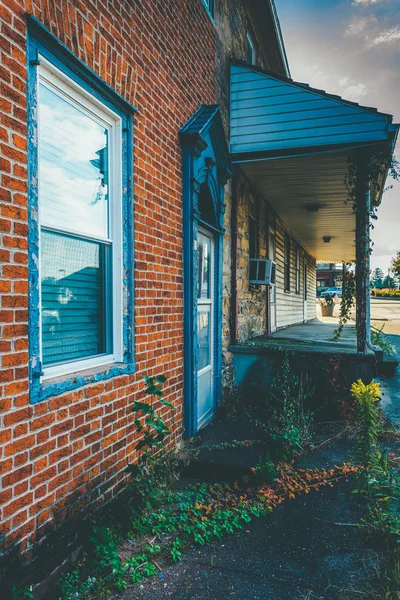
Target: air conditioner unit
<point>262,271</point>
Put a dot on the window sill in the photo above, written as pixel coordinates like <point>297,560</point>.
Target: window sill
<point>66,383</point>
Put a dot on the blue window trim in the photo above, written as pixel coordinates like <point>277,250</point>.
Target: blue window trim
<point>211,10</point>
<point>206,159</point>
<point>41,42</point>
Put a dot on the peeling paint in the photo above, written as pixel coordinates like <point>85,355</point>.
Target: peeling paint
<point>205,160</point>
<point>44,44</point>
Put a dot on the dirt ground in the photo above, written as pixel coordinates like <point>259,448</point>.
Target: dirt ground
<point>308,548</point>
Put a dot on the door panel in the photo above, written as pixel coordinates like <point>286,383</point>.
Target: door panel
<point>205,329</point>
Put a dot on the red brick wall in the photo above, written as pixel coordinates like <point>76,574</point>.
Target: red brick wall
<point>58,455</point>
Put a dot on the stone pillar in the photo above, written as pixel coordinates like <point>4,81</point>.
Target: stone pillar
<point>362,255</point>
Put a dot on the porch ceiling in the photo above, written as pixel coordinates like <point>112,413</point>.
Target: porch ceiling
<point>309,194</point>
<point>293,142</point>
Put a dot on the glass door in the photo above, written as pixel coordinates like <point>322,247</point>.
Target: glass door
<point>205,329</point>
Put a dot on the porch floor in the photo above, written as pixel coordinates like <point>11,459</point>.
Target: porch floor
<point>313,336</point>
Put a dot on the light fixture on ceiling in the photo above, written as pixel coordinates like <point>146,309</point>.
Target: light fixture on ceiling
<point>327,239</point>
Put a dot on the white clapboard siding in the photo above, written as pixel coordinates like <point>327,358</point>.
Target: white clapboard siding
<point>290,305</point>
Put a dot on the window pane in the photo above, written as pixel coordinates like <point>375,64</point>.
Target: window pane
<point>203,285</point>
<point>203,337</point>
<point>73,298</point>
<point>73,167</point>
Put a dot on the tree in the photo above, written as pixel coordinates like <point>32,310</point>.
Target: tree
<point>377,278</point>
<point>395,266</point>
<point>389,282</point>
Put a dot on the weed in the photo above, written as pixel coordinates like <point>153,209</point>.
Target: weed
<point>281,415</point>
<point>379,480</point>
<point>378,338</point>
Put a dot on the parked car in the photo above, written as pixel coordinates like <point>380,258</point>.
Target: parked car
<point>332,291</point>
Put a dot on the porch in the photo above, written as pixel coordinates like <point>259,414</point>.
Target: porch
<point>313,336</point>
<point>320,162</point>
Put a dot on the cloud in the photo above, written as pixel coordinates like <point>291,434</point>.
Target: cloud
<point>359,26</point>
<point>354,92</point>
<point>365,2</point>
<point>344,80</point>
<point>387,36</point>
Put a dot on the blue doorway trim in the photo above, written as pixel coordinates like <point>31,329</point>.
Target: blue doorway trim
<point>206,161</point>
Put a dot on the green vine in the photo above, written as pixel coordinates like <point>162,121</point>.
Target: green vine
<point>376,165</point>
<point>348,301</point>
<point>154,427</point>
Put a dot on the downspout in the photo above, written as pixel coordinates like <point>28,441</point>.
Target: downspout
<point>234,255</point>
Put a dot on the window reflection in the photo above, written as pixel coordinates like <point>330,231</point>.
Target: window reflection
<point>203,339</point>
<point>72,297</point>
<point>203,286</point>
<point>73,167</point>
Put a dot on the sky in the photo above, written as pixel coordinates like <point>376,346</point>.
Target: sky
<point>352,48</point>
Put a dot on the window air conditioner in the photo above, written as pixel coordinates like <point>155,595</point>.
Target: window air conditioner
<point>262,271</point>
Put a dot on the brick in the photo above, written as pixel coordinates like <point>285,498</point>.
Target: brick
<point>19,445</point>
<point>17,416</point>
<point>17,475</point>
<point>62,438</point>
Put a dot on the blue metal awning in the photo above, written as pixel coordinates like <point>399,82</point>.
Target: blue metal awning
<point>271,113</point>
<point>294,143</point>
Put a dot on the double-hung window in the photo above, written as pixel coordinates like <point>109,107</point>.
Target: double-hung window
<point>253,228</point>
<point>251,52</point>
<point>297,269</point>
<point>80,226</point>
<point>287,262</point>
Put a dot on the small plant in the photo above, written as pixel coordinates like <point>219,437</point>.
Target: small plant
<point>368,424</point>
<point>266,469</point>
<point>22,593</point>
<point>379,480</point>
<point>154,429</point>
<point>72,588</point>
<point>289,422</point>
<point>347,303</point>
<point>378,338</point>
<point>327,300</point>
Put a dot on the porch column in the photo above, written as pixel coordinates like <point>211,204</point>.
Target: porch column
<point>362,199</point>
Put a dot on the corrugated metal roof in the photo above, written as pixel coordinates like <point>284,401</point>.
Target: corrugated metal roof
<point>270,113</point>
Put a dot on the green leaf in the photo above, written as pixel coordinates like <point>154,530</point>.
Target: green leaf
<point>145,408</point>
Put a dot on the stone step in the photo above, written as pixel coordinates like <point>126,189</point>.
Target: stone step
<point>222,465</point>
<point>223,451</point>
<point>388,366</point>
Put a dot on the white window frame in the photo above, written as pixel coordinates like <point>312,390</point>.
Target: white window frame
<point>84,101</point>
<point>251,43</point>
